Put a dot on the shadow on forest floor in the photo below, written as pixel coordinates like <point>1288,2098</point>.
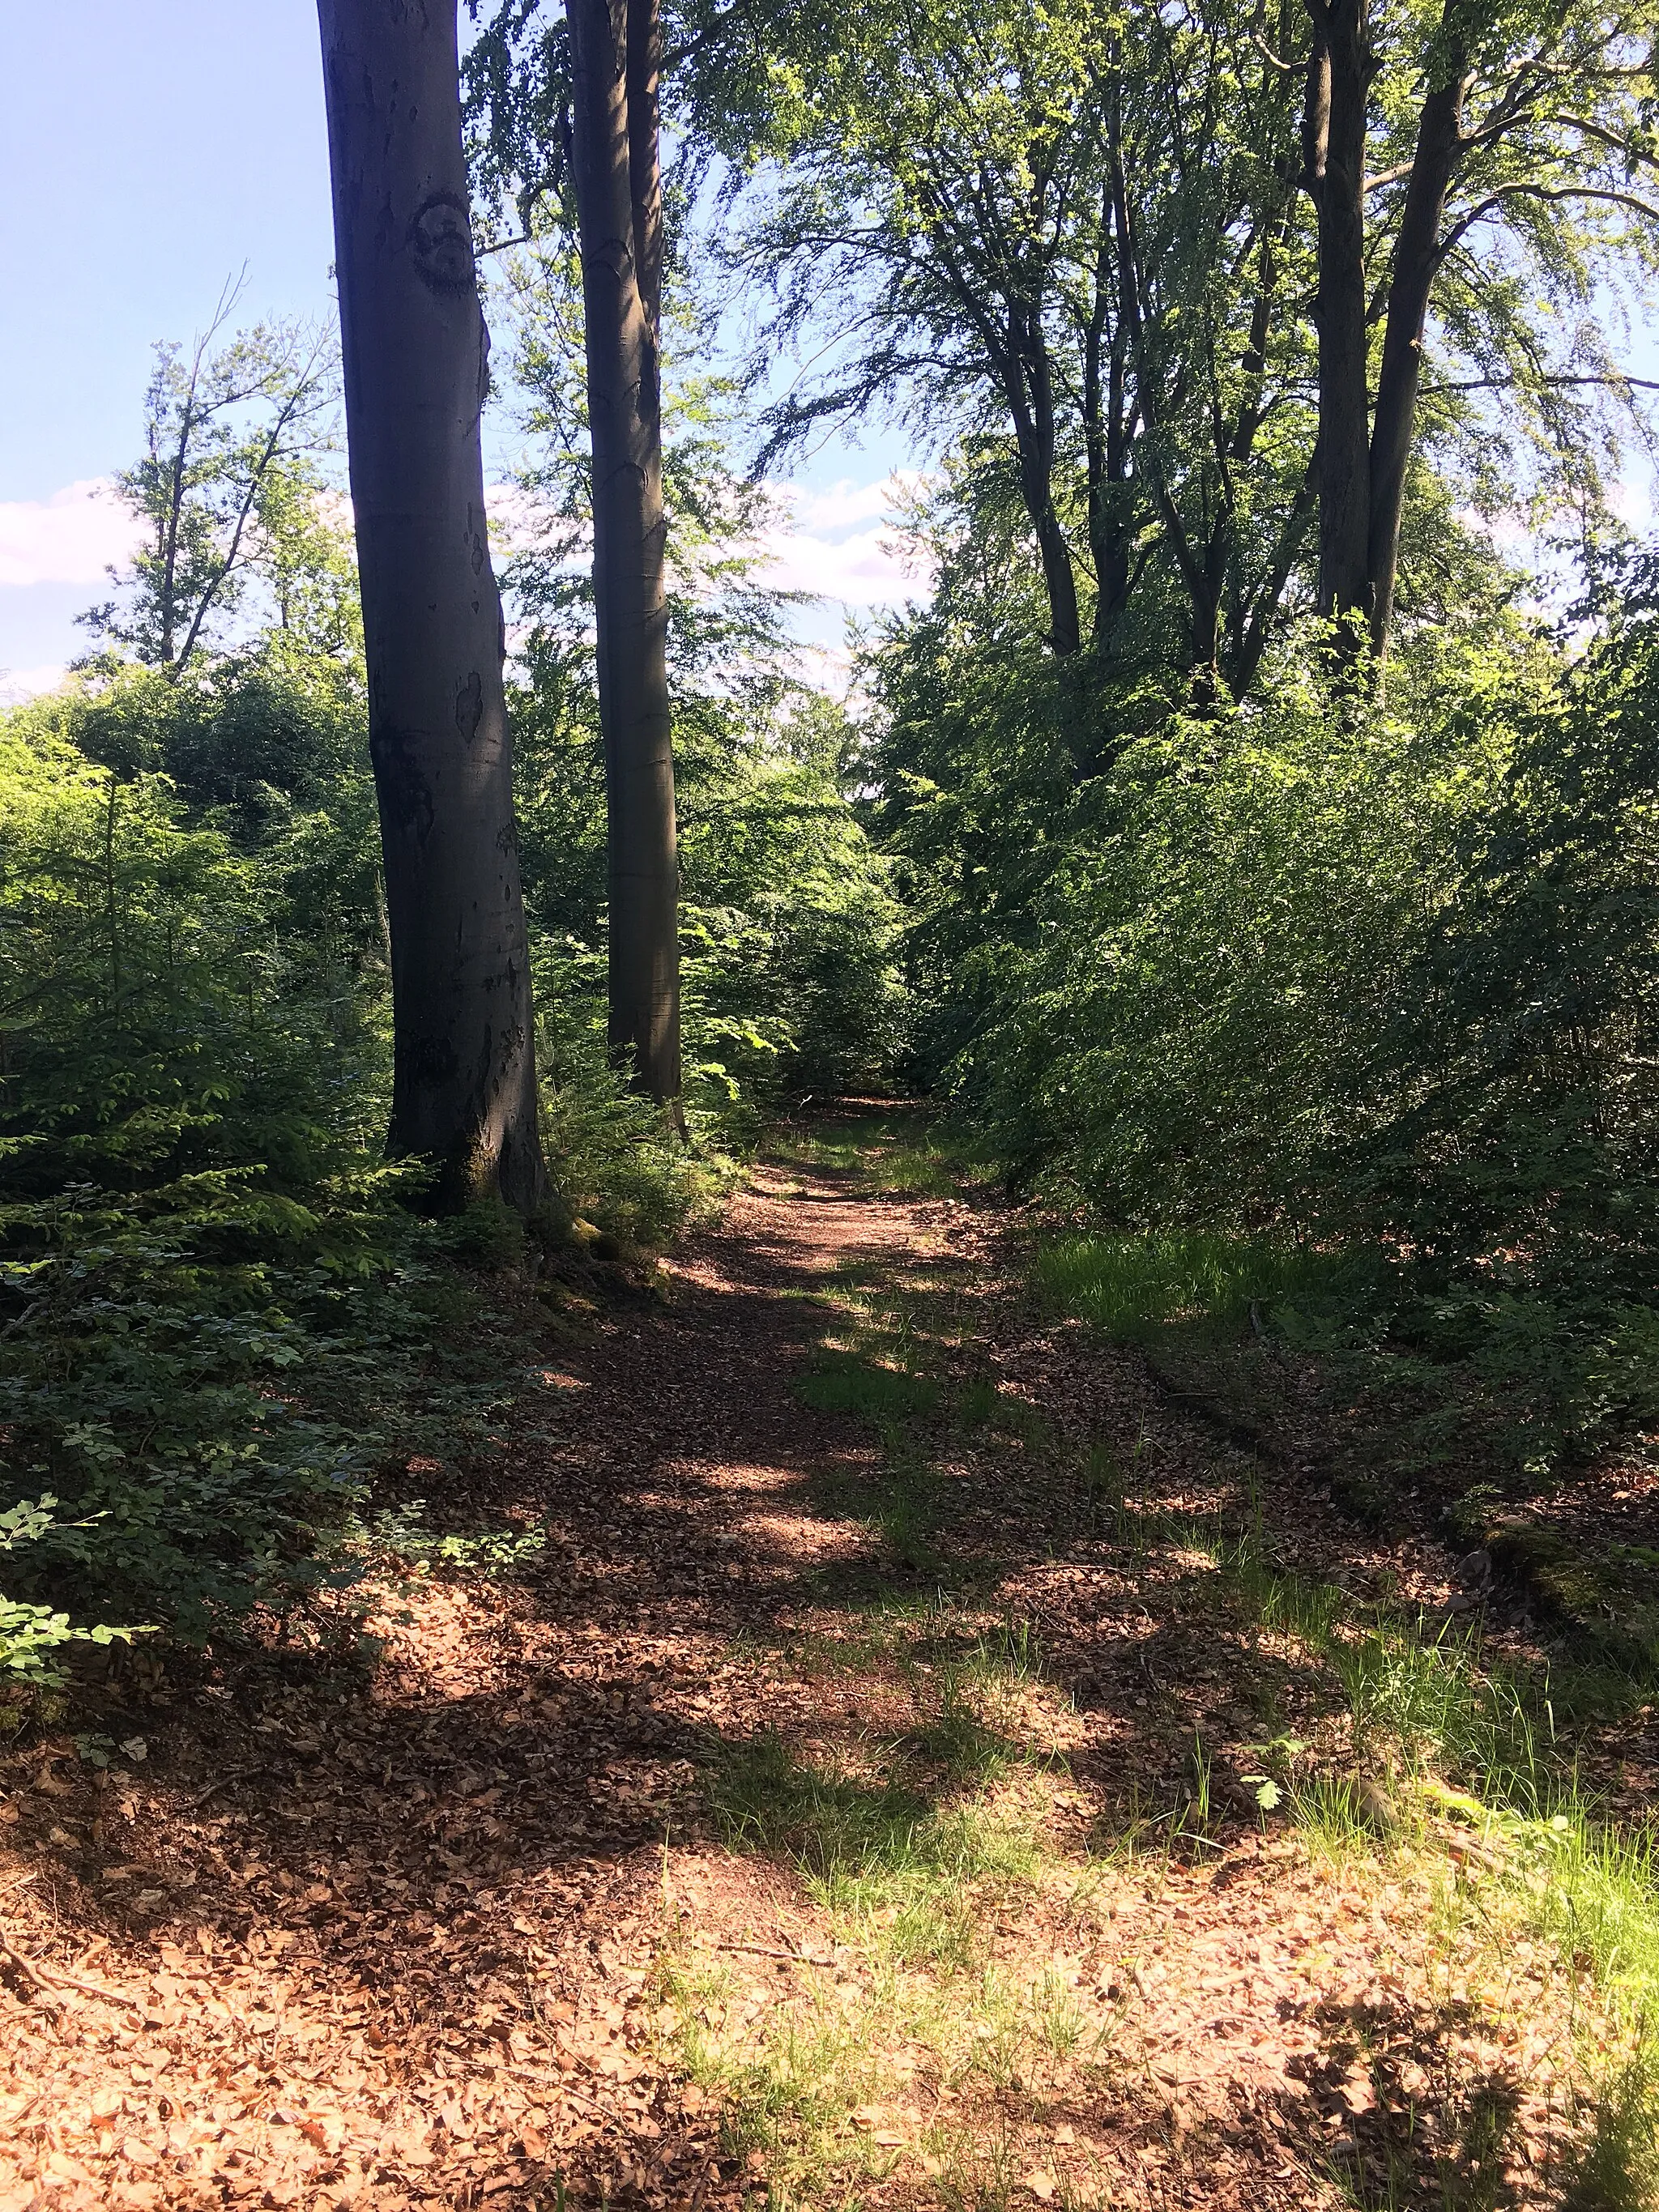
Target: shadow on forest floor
<point>896,1757</point>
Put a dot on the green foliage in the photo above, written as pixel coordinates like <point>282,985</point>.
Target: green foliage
<point>225,481</point>
<point>404,1535</point>
<point>219,1315</point>
<point>623,1176</point>
<point>167,1010</point>
<point>30,1633</point>
<point>1211,954</point>
<point>1344,1011</point>
<point>215,1310</point>
<point>789,915</point>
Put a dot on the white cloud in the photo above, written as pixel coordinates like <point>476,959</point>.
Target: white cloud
<point>69,538</point>
<point>847,503</point>
<point>17,684</point>
<point>814,546</point>
<point>1633,503</point>
<point>870,568</point>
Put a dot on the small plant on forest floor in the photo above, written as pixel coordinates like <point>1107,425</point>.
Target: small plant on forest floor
<point>1105,1488</point>
<point>977,1402</point>
<point>1011,1653</point>
<point>908,1517</point>
<point>843,1382</point>
<point>1197,1816</point>
<point>402,1536</point>
<point>1331,1817</point>
<point>958,1743</point>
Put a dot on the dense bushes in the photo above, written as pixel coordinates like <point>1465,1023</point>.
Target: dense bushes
<point>190,1083</point>
<point>1354,976</point>
<point>219,1313</point>
<point>788,920</point>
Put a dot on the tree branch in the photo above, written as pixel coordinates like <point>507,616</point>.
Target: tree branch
<point>1617,383</point>
<point>1527,189</point>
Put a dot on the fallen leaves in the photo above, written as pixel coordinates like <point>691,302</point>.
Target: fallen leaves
<point>389,1943</point>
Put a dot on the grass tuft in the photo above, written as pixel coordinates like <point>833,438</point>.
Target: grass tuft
<point>843,1382</point>
<point>1131,1287</point>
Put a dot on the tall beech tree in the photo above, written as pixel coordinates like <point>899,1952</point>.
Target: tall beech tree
<point>1339,89</point>
<point>1197,365</point>
<point>615,64</point>
<point>416,356</point>
<point>1514,139</point>
<point>566,101</point>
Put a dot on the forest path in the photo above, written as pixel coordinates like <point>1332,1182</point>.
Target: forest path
<point>855,1795</point>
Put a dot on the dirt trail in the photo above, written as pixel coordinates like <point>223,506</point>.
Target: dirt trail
<point>520,1910</point>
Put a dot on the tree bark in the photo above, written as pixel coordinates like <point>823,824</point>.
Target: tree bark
<point>1107,449</point>
<point>1333,145</point>
<point>415,357</point>
<point>615,51</point>
<point>1415,259</point>
<point>1022,356</point>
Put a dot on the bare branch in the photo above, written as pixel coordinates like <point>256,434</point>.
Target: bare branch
<point>1530,189</point>
<point>1615,382</point>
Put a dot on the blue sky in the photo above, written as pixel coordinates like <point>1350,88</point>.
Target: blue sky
<point>151,149</point>
<point>149,152</point>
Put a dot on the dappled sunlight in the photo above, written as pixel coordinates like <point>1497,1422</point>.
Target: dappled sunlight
<point>869,1743</point>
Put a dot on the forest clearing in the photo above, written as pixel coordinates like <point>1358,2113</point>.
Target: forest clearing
<point>830,1108</point>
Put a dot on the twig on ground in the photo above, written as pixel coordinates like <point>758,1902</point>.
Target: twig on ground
<point>47,1978</point>
<point>31,1973</point>
<point>762,1951</point>
<point>222,1782</point>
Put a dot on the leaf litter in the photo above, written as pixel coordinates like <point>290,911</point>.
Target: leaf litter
<point>489,1923</point>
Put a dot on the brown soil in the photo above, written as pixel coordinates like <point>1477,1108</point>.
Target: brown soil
<point>423,1932</point>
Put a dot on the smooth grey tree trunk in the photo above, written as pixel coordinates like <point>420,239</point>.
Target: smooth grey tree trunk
<point>416,356</point>
<point>615,55</point>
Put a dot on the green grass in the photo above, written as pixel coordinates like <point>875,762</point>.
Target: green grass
<point>785,2095</point>
<point>910,1171</point>
<point>1441,1739</point>
<point>844,1383</point>
<point>799,2084</point>
<point>1423,1754</point>
<point>914,1847</point>
<point>1131,1286</point>
<point>893,1155</point>
<point>873,1849</point>
<point>1593,1891</point>
<point>903,1500</point>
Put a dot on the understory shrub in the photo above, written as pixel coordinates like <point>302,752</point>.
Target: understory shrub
<point>219,1310</point>
<point>1321,976</point>
<point>214,1315</point>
